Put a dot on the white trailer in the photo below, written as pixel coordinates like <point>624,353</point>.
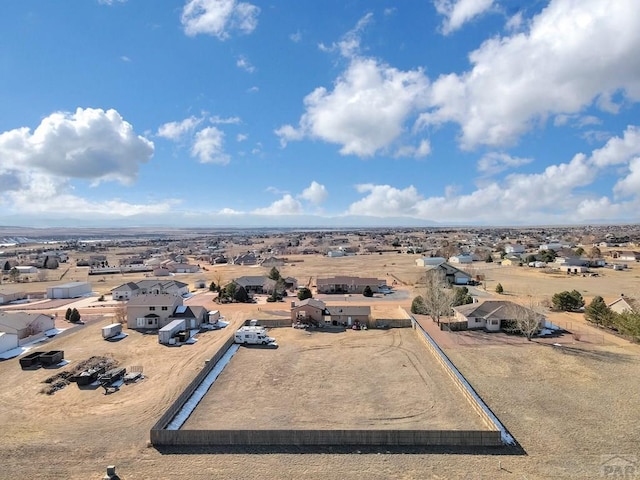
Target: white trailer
<point>166,333</point>
<point>253,336</point>
<point>111,330</point>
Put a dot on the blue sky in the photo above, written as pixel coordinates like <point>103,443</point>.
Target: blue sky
<point>318,113</point>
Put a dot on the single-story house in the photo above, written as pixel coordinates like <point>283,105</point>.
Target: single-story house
<point>8,297</point>
<point>248,258</point>
<point>174,267</point>
<point>258,284</point>
<point>453,275</point>
<point>347,285</point>
<point>151,311</point>
<point>491,314</point>
<point>25,325</point>
<point>272,262</point>
<point>69,290</point>
<point>623,304</point>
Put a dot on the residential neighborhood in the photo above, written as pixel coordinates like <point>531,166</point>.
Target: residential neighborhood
<point>546,294</point>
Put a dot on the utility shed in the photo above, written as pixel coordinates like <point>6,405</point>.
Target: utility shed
<point>69,290</point>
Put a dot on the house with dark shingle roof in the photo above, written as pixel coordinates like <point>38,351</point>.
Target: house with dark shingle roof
<point>491,315</point>
<point>259,284</point>
<point>347,285</point>
<point>315,312</point>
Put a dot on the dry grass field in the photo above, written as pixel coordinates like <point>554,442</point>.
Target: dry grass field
<point>567,407</point>
<point>374,379</point>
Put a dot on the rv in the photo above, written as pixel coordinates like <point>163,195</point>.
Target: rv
<point>253,335</point>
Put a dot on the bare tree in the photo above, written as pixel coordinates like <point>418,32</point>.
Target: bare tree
<point>120,312</point>
<point>438,297</point>
<point>529,318</point>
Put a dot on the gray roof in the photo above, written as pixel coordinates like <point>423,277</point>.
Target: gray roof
<point>349,310</point>
<point>127,286</point>
<point>319,304</point>
<point>493,310</point>
<point>11,322</point>
<point>154,299</point>
<point>192,311</point>
<point>345,280</point>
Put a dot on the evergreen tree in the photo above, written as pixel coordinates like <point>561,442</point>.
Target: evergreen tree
<point>461,296</point>
<point>499,289</point>
<point>304,293</point>
<point>241,295</point>
<point>74,317</point>
<point>568,301</point>
<point>67,314</point>
<point>367,292</point>
<point>598,312</point>
<point>418,306</point>
<point>274,274</point>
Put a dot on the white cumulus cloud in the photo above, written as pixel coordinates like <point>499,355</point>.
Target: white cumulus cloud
<point>496,162</point>
<point>93,145</point>
<point>208,146</point>
<point>243,63</point>
<point>366,110</point>
<point>90,143</point>
<point>459,12</point>
<point>287,205</point>
<point>557,194</point>
<point>315,193</point>
<point>176,130</point>
<point>219,17</point>
<point>574,54</point>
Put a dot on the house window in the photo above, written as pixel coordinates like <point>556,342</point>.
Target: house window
<point>165,308</point>
<point>494,322</point>
<point>140,321</point>
<point>150,322</point>
<point>152,308</point>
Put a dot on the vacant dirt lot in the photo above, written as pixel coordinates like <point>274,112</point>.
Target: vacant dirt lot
<point>374,379</point>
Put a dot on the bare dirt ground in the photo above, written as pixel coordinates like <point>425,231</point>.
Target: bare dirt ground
<point>376,379</point>
<point>567,407</point>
